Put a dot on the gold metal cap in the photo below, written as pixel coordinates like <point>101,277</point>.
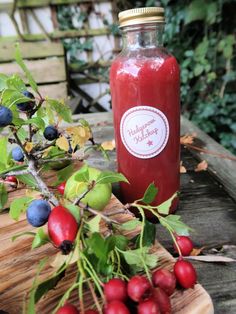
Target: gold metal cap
<point>141,16</point>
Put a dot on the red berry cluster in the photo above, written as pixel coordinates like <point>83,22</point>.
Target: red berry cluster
<point>141,296</point>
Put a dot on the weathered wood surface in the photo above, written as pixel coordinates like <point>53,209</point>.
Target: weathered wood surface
<point>18,268</point>
<point>57,91</point>
<point>44,71</point>
<point>205,206</point>
<point>57,34</point>
<point>223,169</point>
<point>29,50</point>
<point>7,5</point>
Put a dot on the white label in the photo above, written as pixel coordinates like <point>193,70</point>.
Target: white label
<point>144,131</point>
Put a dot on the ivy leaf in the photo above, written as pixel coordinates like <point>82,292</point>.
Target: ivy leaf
<point>19,206</point>
<point>149,194</point>
<point>4,154</point>
<point>60,108</point>
<point>75,211</point>
<point>40,239</point>
<point>164,208</point>
<point>3,196</point>
<point>82,175</point>
<point>110,177</point>
<point>174,223</point>
<point>28,179</point>
<point>21,63</point>
<point>94,224</point>
<point>196,10</point>
<point>131,224</point>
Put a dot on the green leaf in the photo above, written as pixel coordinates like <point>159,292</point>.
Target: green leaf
<point>149,234</point>
<point>110,177</point>
<point>4,153</point>
<point>198,69</point>
<point>64,174</point>
<point>28,179</point>
<point>94,224</point>
<point>82,175</point>
<point>211,13</point>
<point>40,239</point>
<point>3,83</point>
<point>174,223</point>
<point>18,206</point>
<point>84,122</point>
<point>21,63</point>
<point>196,10</point>
<point>39,122</point>
<point>135,258</point>
<point>96,244</point>
<point>3,196</point>
<point>60,108</point>
<point>16,83</point>
<point>26,233</point>
<point>131,224</point>
<point>121,242</point>
<point>164,208</point>
<point>75,211</point>
<point>11,97</point>
<point>149,194</point>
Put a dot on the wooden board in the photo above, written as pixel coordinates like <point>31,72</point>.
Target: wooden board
<point>44,71</point>
<point>29,50</point>
<point>18,266</point>
<point>57,91</point>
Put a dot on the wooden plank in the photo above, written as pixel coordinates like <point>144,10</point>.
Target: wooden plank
<point>18,267</point>
<point>29,50</point>
<point>7,5</point>
<point>44,71</point>
<point>222,169</point>
<point>57,91</point>
<point>57,34</point>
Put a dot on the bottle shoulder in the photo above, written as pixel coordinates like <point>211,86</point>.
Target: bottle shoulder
<point>153,59</point>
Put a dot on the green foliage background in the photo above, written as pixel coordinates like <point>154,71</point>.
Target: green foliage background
<point>201,34</point>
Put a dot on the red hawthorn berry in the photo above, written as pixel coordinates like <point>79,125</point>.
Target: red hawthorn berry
<point>115,289</point>
<point>164,279</point>
<point>61,188</point>
<point>67,309</point>
<point>185,245</point>
<point>62,228</point>
<point>138,288</point>
<point>185,273</point>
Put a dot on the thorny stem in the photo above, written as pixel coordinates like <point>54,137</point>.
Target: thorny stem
<point>90,187</point>
<point>18,141</point>
<point>16,173</point>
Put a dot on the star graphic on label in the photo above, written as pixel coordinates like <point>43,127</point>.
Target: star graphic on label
<point>150,143</point>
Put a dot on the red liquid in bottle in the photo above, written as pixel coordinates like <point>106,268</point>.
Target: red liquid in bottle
<point>147,142</point>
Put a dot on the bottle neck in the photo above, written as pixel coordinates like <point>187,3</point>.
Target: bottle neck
<point>142,36</point>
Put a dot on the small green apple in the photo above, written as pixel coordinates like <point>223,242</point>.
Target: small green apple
<point>97,198</point>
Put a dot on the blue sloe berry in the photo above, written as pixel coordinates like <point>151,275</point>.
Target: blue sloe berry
<point>17,154</point>
<point>38,212</point>
<point>6,116</point>
<point>28,105</point>
<point>50,133</point>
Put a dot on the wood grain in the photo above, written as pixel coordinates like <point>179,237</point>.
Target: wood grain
<point>44,71</point>
<point>56,91</point>
<point>29,50</point>
<point>18,266</point>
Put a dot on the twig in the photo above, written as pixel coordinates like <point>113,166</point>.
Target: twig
<point>18,141</point>
<point>41,184</point>
<point>90,187</point>
<point>79,158</point>
<point>96,212</point>
<point>16,173</point>
<point>41,149</point>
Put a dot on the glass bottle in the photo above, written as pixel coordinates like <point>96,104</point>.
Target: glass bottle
<point>144,81</point>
